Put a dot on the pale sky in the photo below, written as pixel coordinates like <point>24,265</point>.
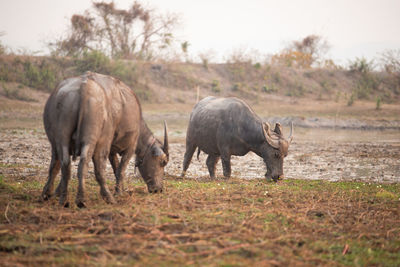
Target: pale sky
<point>353,28</point>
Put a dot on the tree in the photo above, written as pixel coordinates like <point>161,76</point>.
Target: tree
<point>185,50</point>
<point>303,53</point>
<point>133,33</point>
<point>2,47</point>
<point>390,60</point>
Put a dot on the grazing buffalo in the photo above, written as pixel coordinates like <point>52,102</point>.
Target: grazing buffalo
<point>96,117</point>
<point>222,127</point>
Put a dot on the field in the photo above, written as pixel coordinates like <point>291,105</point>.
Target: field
<point>338,205</point>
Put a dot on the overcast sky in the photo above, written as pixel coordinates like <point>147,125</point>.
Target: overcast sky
<point>353,28</point>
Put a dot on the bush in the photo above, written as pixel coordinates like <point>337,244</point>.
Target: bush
<point>257,66</point>
<point>94,61</point>
<point>205,63</point>
<point>16,93</point>
<point>42,77</point>
<point>236,87</point>
<point>361,65</point>
<point>366,85</point>
<point>269,89</point>
<point>215,87</point>
<point>350,102</point>
<point>378,103</point>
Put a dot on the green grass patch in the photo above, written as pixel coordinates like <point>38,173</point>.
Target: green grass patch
<point>204,222</point>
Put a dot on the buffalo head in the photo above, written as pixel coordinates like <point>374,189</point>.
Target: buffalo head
<point>274,150</point>
<point>151,165</point>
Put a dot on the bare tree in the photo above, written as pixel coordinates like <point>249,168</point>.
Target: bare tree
<point>390,61</point>
<point>2,47</point>
<point>133,33</point>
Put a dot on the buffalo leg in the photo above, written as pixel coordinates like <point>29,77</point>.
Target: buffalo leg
<point>82,173</point>
<point>99,162</point>
<point>65,175</point>
<point>54,169</point>
<point>187,158</point>
<point>211,162</point>
<point>113,158</point>
<point>226,165</point>
<point>120,177</point>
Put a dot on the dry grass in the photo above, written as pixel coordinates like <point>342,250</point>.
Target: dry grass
<point>206,223</point>
<point>200,222</point>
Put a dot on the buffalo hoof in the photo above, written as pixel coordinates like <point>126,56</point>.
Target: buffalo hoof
<point>45,196</point>
<point>118,191</point>
<point>64,204</point>
<point>80,204</point>
<point>270,180</point>
<point>109,199</point>
<point>64,201</point>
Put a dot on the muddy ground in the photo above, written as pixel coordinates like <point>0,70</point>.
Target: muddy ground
<point>334,155</point>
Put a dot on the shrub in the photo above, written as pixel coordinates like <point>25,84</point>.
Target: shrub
<point>42,77</point>
<point>337,97</point>
<point>94,61</point>
<point>269,88</point>
<point>236,87</point>
<point>16,93</point>
<point>215,87</point>
<point>378,103</point>
<point>257,66</point>
<point>361,65</point>
<point>366,85</point>
<point>350,102</point>
<point>205,63</point>
<point>326,87</point>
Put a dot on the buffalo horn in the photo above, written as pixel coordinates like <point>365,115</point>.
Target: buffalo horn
<point>165,148</point>
<point>266,128</point>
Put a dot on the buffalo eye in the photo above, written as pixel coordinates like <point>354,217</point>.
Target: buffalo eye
<point>277,155</point>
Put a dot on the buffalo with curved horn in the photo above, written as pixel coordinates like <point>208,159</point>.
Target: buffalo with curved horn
<point>222,127</point>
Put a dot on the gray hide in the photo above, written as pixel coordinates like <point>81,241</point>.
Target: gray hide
<point>222,127</point>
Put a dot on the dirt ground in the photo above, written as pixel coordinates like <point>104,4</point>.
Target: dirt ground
<point>245,221</point>
<point>334,155</point>
<point>361,144</point>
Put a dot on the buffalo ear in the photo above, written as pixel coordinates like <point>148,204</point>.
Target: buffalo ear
<point>278,129</point>
<point>164,161</point>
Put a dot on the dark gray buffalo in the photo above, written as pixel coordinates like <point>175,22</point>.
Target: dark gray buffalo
<point>222,127</point>
<point>97,117</point>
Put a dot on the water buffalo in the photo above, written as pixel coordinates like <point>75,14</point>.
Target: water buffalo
<point>222,127</point>
<point>97,117</point>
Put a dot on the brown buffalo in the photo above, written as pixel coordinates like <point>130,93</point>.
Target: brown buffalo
<point>96,117</point>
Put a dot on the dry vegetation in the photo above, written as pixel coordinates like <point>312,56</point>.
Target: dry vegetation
<point>201,222</point>
<point>197,221</point>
